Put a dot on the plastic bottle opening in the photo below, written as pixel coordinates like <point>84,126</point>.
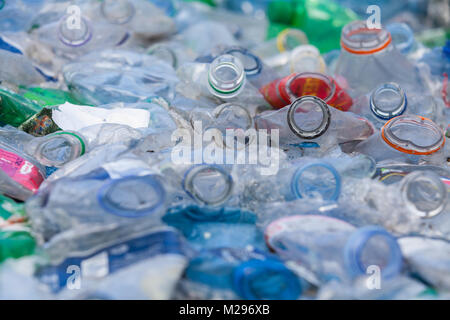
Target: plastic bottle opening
<point>310,84</point>
<point>413,134</point>
<point>308,117</point>
<point>117,11</point>
<point>208,184</point>
<point>358,38</point>
<point>315,179</point>
<point>371,249</point>
<point>132,197</point>
<point>252,64</point>
<point>388,101</point>
<point>74,33</point>
<point>402,36</point>
<point>424,193</point>
<point>251,279</point>
<point>226,76</point>
<point>60,148</point>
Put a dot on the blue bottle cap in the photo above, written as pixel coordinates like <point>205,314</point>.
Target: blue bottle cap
<point>303,185</point>
<point>265,279</point>
<point>358,243</point>
<point>148,196</point>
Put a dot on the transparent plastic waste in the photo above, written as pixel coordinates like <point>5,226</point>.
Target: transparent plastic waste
<point>227,273</point>
<point>121,193</point>
<point>284,91</point>
<point>390,100</point>
<point>310,122</point>
<point>369,52</point>
<point>207,227</point>
<point>147,263</point>
<point>409,138</point>
<point>304,178</point>
<point>428,258</point>
<point>334,249</point>
<point>119,76</point>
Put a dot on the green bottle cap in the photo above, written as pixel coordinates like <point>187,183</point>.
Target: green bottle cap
<point>15,244</point>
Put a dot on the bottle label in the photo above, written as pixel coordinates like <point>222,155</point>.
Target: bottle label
<point>277,95</point>
<point>20,170</point>
<point>112,258</point>
<point>40,124</point>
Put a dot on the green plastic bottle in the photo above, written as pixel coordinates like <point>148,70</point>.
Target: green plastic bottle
<point>208,2</point>
<point>321,20</point>
<point>15,238</point>
<point>47,97</point>
<point>16,244</point>
<point>15,109</point>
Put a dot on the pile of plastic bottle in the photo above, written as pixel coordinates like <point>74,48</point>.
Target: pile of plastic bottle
<point>271,149</point>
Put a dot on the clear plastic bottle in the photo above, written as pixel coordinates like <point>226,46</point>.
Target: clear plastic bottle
<point>147,263</point>
<point>310,122</point>
<point>334,249</point>
<point>408,138</point>
<point>389,100</point>
<point>420,199</point>
<point>131,76</point>
<point>124,192</point>
<point>222,80</point>
<point>304,178</point>
<point>370,52</point>
<point>428,258</point>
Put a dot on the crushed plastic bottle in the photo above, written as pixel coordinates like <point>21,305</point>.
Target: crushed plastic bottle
<point>224,149</point>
